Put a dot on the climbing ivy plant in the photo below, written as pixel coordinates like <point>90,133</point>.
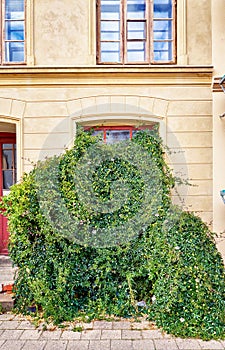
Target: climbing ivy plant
<point>169,269</point>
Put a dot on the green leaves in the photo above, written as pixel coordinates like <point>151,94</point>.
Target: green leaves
<point>171,264</point>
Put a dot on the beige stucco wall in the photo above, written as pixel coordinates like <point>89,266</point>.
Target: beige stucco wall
<point>61,32</point>
<point>218,52</point>
<point>65,32</point>
<point>199,38</point>
<point>48,118</point>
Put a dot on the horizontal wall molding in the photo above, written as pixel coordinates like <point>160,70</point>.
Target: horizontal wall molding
<point>107,75</point>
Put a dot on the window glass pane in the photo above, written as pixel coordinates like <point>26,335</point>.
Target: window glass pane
<point>7,161</point>
<point>7,179</point>
<point>14,30</point>
<point>7,146</point>
<point>163,51</point>
<point>162,8</point>
<point>98,133</point>
<point>113,136</point>
<point>14,52</point>
<point>14,9</point>
<point>110,30</point>
<point>162,30</point>
<point>136,52</point>
<point>136,9</point>
<point>136,30</point>
<point>110,52</point>
<point>110,9</point>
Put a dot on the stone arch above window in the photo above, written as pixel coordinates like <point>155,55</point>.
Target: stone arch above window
<point>118,110</point>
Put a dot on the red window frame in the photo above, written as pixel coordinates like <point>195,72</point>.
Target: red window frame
<point>124,127</point>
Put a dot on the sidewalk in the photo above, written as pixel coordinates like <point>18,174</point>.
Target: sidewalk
<point>17,333</point>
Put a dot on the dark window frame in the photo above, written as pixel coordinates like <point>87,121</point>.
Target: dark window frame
<point>149,42</point>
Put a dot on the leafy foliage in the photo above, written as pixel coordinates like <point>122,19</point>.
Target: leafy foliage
<point>172,265</point>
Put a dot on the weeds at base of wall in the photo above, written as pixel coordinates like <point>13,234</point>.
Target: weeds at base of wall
<point>170,271</point>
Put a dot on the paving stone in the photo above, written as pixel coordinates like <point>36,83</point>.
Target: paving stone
<point>9,324</point>
<point>102,325</point>
<point>121,325</point>
<point>6,317</point>
<point>84,325</point>
<point>188,344</point>
<point>34,345</point>
<point>121,344</point>
<point>12,345</point>
<point>31,334</point>
<point>165,344</point>
<point>78,345</point>
<point>92,334</point>
<point>211,344</point>
<point>11,334</point>
<point>152,334</point>
<point>26,325</point>
<point>56,345</point>
<point>19,318</point>
<point>223,343</point>
<point>99,345</point>
<point>146,344</point>
<point>51,334</point>
<point>128,334</point>
<point>111,334</point>
<point>70,335</point>
<point>141,325</point>
<point>1,342</point>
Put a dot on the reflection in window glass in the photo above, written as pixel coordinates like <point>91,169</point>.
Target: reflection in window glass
<point>7,179</point>
<point>14,30</point>
<point>162,30</point>
<point>125,21</point>
<point>162,51</point>
<point>136,9</point>
<point>14,9</point>
<point>136,30</point>
<point>110,31</point>
<point>110,52</point>
<point>114,136</point>
<point>162,8</point>
<point>14,34</point>
<point>7,159</point>
<point>110,10</point>
<point>14,51</point>
<point>8,165</point>
<point>136,51</point>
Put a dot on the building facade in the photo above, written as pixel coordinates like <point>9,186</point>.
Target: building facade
<point>117,64</point>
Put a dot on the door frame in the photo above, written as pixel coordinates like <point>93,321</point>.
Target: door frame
<point>5,137</point>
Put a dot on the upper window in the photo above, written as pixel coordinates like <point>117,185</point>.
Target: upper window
<point>136,31</point>
<point>13,31</point>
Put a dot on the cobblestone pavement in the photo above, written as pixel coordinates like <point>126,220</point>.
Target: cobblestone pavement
<point>17,333</point>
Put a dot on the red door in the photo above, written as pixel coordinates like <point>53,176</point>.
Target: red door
<point>7,179</point>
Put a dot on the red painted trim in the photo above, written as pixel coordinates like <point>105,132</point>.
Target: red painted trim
<point>5,137</point>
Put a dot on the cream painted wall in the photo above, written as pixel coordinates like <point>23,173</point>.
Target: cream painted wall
<point>48,117</point>
<point>65,32</point>
<point>61,32</point>
<point>218,54</point>
<point>199,38</point>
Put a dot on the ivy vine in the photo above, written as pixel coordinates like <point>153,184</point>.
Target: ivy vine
<point>170,270</point>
